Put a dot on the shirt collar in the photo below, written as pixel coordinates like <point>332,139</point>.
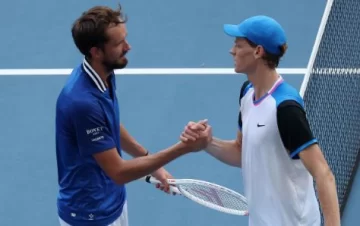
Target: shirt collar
<point>94,76</point>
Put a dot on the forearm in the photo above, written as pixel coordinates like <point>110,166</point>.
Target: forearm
<point>130,145</point>
<point>227,151</point>
<point>138,167</point>
<point>326,187</point>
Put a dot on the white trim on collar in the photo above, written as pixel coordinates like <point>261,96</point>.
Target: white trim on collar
<point>94,76</point>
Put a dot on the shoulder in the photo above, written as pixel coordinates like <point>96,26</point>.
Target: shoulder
<point>286,95</point>
<point>76,92</point>
<point>90,104</point>
<point>244,89</point>
<point>75,104</point>
<point>77,83</point>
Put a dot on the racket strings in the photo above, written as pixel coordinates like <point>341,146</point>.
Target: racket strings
<point>215,196</point>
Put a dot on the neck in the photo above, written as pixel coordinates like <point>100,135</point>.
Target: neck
<point>101,70</point>
<point>263,79</point>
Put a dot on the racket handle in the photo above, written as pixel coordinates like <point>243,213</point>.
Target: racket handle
<point>151,180</point>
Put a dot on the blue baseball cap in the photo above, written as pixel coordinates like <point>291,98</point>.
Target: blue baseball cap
<point>261,30</point>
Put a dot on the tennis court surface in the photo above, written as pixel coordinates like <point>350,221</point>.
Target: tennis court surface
<point>155,107</point>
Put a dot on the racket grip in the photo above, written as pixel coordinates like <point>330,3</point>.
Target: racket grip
<point>152,180</point>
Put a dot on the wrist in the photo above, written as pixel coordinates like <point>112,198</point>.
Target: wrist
<point>183,148</point>
<point>209,144</point>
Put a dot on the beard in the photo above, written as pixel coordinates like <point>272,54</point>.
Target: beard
<point>110,66</point>
<point>117,64</point>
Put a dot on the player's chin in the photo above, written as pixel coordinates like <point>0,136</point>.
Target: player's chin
<point>239,69</point>
<point>122,63</point>
<point>123,60</point>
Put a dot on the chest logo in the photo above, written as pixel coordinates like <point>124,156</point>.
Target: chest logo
<point>260,125</point>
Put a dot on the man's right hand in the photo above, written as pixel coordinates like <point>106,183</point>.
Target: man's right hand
<point>197,135</point>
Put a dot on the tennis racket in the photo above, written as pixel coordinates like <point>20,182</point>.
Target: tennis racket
<point>207,194</point>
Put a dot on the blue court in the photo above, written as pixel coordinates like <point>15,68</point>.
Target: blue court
<point>154,108</point>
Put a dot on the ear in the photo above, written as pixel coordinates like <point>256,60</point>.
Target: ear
<point>96,52</point>
<point>259,52</point>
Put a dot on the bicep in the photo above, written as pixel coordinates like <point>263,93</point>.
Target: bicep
<point>92,132</point>
<point>314,161</point>
<point>239,139</point>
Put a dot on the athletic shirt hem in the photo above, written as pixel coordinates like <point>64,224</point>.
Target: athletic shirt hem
<point>65,215</point>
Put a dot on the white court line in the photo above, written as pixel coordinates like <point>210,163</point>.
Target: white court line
<point>316,46</point>
<point>144,71</point>
<point>181,71</point>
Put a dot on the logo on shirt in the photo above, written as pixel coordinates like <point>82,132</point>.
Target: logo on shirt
<point>97,138</point>
<point>94,131</point>
<point>260,125</point>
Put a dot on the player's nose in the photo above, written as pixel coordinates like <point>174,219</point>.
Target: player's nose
<point>127,46</point>
<point>232,51</point>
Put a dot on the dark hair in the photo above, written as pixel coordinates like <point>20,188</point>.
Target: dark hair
<point>89,30</point>
<point>272,60</point>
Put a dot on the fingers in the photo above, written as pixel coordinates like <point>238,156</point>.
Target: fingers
<point>208,134</point>
<point>166,189</point>
<point>207,130</point>
<point>163,187</point>
<point>162,175</point>
<point>185,137</point>
<point>190,134</point>
<point>192,130</point>
<point>169,190</point>
<point>201,125</point>
<point>203,122</point>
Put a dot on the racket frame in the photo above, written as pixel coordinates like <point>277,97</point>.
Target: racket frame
<point>177,188</point>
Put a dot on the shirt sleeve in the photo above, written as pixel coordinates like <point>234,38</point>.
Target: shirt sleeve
<point>93,134</point>
<point>242,93</point>
<point>294,128</point>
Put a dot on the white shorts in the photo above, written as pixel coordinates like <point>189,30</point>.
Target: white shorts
<point>121,221</point>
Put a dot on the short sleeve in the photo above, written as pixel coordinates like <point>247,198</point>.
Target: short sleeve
<point>294,128</point>
<point>92,132</point>
<point>243,91</point>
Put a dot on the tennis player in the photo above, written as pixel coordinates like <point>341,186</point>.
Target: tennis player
<point>275,146</point>
<point>89,137</point>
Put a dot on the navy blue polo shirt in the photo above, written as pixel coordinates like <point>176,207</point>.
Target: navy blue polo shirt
<point>87,122</point>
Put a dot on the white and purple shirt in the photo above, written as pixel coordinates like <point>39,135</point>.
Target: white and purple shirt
<point>278,187</point>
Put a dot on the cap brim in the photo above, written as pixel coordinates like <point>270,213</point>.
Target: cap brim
<point>232,30</point>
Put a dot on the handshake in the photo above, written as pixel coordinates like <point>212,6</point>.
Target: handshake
<point>196,135</point>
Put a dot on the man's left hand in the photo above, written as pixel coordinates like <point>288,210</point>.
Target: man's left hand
<point>162,175</point>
